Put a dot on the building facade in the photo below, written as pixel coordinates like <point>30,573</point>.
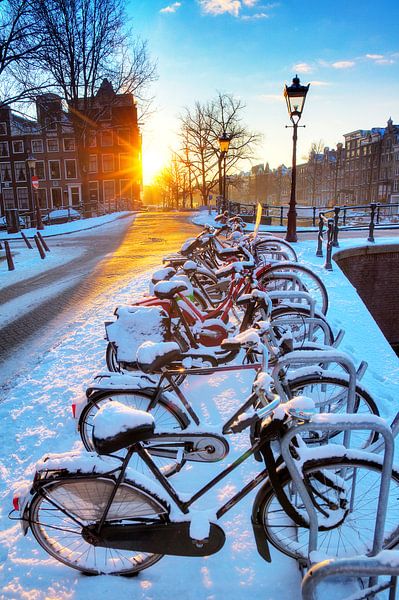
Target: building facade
<point>112,154</point>
<point>363,169</point>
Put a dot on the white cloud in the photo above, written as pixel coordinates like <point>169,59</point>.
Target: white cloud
<point>219,7</point>
<point>385,61</point>
<point>343,64</point>
<point>171,8</point>
<point>320,83</point>
<point>374,56</point>
<point>302,68</point>
<point>255,17</point>
<point>236,8</point>
<point>271,97</point>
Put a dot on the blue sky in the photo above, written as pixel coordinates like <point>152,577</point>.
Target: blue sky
<point>348,51</point>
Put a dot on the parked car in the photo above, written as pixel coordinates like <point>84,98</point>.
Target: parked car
<point>3,222</point>
<point>61,215</point>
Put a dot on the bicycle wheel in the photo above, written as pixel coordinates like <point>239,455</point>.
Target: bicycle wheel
<point>345,493</point>
<point>168,417</point>
<point>296,318</point>
<point>59,513</point>
<point>310,282</point>
<point>330,393</point>
<point>265,243</point>
<point>110,359</point>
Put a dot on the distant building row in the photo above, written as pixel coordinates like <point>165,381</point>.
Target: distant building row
<point>112,155</point>
<point>362,170</point>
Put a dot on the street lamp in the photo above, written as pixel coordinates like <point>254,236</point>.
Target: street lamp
<point>224,143</point>
<point>295,96</point>
<point>31,162</point>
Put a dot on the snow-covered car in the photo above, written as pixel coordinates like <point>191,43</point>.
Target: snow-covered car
<point>3,222</point>
<point>61,215</point>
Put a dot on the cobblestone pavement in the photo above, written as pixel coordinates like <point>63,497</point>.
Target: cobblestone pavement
<point>112,257</point>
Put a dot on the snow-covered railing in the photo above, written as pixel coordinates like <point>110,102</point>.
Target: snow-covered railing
<point>386,563</point>
<point>329,223</point>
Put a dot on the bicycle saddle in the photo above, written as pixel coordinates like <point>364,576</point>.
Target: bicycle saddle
<point>152,356</point>
<point>168,289</point>
<point>117,426</point>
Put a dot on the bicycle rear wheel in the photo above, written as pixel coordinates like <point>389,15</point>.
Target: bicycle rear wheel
<point>62,509</point>
<point>168,417</point>
<point>345,493</point>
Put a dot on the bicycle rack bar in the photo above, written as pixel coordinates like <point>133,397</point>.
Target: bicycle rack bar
<point>328,356</point>
<point>325,422</point>
<point>305,320</point>
<point>294,295</point>
<point>339,338</point>
<point>353,567</point>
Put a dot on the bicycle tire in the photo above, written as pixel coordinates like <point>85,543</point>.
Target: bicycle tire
<point>301,330</point>
<point>168,417</point>
<point>348,538</point>
<point>328,393</point>
<point>56,529</point>
<point>285,246</point>
<point>311,282</point>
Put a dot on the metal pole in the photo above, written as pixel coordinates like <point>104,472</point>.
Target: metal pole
<point>10,262</point>
<point>330,243</point>
<point>336,229</point>
<point>371,225</point>
<point>224,183</point>
<point>291,235</point>
<point>319,251</point>
<point>281,215</point>
<point>314,217</point>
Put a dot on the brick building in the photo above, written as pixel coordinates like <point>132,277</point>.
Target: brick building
<point>113,147</point>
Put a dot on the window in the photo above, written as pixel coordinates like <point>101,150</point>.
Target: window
<point>42,197</point>
<point>69,144</point>
<point>3,128</point>
<point>123,136</point>
<point>56,197</point>
<point>5,172</point>
<point>8,197</point>
<point>20,171</point>
<point>109,190</point>
<point>18,147</point>
<point>125,162</point>
<point>106,138</point>
<point>108,163</point>
<point>93,191</point>
<point>70,168</point>
<point>4,149</point>
<point>23,200</point>
<point>54,166</point>
<point>53,145</point>
<point>39,169</point>
<point>91,139</point>
<point>37,146</point>
<point>93,164</point>
<point>51,124</point>
<point>126,188</point>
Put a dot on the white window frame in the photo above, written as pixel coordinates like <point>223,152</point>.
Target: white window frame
<point>65,167</point>
<point>107,132</point>
<point>54,139</point>
<point>35,150</point>
<point>17,142</point>
<point>18,198</point>
<point>17,167</point>
<point>121,141</point>
<point>108,181</point>
<point>70,149</point>
<point>9,202</point>
<point>49,169</point>
<point>8,150</point>
<point>96,157</point>
<point>9,170</point>
<point>44,169</point>
<point>113,163</point>
<point>46,196</point>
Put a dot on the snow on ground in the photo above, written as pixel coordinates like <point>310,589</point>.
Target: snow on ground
<point>71,227</point>
<point>35,419</point>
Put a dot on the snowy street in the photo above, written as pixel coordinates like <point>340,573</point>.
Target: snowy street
<point>51,353</point>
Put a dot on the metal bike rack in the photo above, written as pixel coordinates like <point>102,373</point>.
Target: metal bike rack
<point>355,567</point>
<point>326,422</point>
<point>295,295</point>
<point>301,357</point>
<point>307,321</point>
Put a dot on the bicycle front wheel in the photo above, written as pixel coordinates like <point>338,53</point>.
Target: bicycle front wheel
<point>63,509</point>
<point>345,493</point>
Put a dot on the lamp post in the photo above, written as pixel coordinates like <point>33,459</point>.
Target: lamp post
<point>295,96</point>
<point>224,142</point>
<point>31,162</point>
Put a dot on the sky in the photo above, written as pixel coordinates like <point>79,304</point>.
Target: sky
<point>348,51</point>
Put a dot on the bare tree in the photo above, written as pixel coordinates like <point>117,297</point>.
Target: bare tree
<point>20,39</point>
<point>200,130</point>
<point>313,168</point>
<point>172,183</point>
<point>85,42</point>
